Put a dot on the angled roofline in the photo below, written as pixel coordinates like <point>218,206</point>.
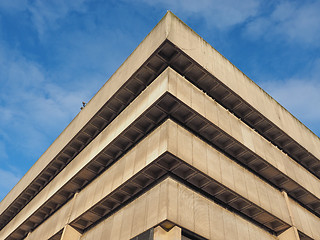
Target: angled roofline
<point>172,29</point>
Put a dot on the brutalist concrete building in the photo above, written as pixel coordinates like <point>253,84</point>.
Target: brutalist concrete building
<point>178,144</point>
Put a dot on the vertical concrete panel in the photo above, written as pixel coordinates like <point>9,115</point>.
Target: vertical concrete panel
<point>127,222</point>
<point>281,163</point>
<point>211,112</point>
<point>139,216</point>
<point>140,158</point>
<point>184,92</point>
<point>185,146</point>
<point>224,120</point>
<point>173,138</point>
<point>98,189</point>
<point>272,154</point>
<point>275,208</point>
<point>97,232</point>
<point>290,166</point>
<point>278,198</point>
<point>129,164</point>
<point>172,81</point>
<point>259,144</point>
<point>247,138</point>
<point>107,228</point>
<point>230,227</point>
<point>118,173</point>
<point>263,194</point>
<point>199,154</point>
<point>116,226</point>
<point>163,144</point>
<point>213,164</point>
<point>305,222</point>
<point>216,223</point>
<point>242,229</point>
<point>236,129</point>
<point>163,202</point>
<point>152,206</point>
<point>252,189</point>
<point>107,187</point>
<point>173,201</point>
<point>301,176</point>
<point>239,180</point>
<point>226,172</point>
<point>186,211</point>
<point>161,234</point>
<point>153,145</point>
<point>197,100</point>
<point>201,217</point>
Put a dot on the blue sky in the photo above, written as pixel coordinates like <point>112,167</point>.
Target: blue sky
<point>56,54</point>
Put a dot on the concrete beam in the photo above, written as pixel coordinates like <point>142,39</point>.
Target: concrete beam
<point>161,234</point>
<point>69,233</point>
<point>290,234</point>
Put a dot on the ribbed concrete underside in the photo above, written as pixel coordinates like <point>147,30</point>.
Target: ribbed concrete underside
<point>178,138</point>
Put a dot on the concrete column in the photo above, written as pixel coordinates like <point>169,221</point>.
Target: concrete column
<point>69,233</point>
<point>161,234</point>
<point>291,233</point>
<point>28,236</point>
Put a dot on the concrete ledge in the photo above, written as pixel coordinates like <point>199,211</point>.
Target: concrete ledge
<point>149,68</point>
<point>145,49</point>
<point>203,216</point>
<point>137,169</point>
<point>212,61</point>
<point>168,82</point>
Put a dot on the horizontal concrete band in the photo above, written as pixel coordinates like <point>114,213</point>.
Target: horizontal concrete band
<point>128,116</point>
<point>150,167</point>
<point>218,126</point>
<point>205,168</point>
<point>88,120</point>
<point>145,63</point>
<point>305,221</point>
<point>77,173</point>
<point>141,69</point>
<point>157,205</point>
<point>203,216</point>
<point>232,80</point>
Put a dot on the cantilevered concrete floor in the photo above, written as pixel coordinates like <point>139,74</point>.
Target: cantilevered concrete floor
<point>177,144</point>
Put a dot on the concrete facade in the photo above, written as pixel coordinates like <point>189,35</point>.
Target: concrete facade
<point>178,144</point>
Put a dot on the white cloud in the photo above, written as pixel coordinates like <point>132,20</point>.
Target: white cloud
<point>297,22</point>
<point>300,96</point>
<point>218,13</point>
<point>7,180</point>
<point>13,5</point>
<point>46,14</point>
<point>3,152</point>
<point>33,107</point>
<point>38,100</point>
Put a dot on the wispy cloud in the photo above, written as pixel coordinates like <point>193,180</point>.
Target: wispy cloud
<point>3,151</point>
<point>291,21</point>
<point>47,14</point>
<point>44,15</point>
<point>216,13</point>
<point>300,96</point>
<point>7,180</point>
<point>38,99</point>
<point>27,88</point>
<point>55,54</point>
